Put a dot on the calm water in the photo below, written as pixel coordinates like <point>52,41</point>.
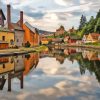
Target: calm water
<point>65,74</point>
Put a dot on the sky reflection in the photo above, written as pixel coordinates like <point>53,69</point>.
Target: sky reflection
<point>52,80</point>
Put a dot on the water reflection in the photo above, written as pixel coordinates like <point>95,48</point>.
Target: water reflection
<point>60,74</point>
<point>16,67</point>
<point>87,60</point>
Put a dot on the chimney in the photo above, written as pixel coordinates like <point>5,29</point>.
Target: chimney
<point>8,15</point>
<point>21,19</point>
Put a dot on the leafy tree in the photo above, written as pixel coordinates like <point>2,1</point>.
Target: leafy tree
<point>27,44</point>
<point>98,15</point>
<point>90,25</point>
<point>83,21</point>
<point>66,33</point>
<point>97,26</point>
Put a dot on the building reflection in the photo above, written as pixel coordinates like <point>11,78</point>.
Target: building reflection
<point>19,66</point>
<point>30,62</point>
<point>16,67</point>
<point>11,67</point>
<point>87,60</point>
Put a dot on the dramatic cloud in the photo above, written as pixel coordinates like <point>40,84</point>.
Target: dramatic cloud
<point>49,14</point>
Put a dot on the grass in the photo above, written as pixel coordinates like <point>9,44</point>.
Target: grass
<point>93,44</point>
<point>23,49</point>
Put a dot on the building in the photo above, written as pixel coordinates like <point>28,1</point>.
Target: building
<point>60,31</point>
<point>93,37</point>
<point>31,34</point>
<point>72,30</point>
<point>30,62</point>
<point>44,41</point>
<point>19,63</point>
<point>84,39</point>
<point>6,65</point>
<point>11,68</point>
<point>2,18</point>
<point>66,38</point>
<point>16,27</point>
<point>6,38</point>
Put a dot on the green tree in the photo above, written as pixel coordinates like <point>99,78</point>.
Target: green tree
<point>83,21</point>
<point>98,15</point>
<point>90,25</point>
<point>27,44</point>
<point>97,26</point>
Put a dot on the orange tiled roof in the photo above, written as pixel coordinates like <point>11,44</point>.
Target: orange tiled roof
<point>95,35</point>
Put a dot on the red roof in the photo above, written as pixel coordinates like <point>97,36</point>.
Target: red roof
<point>95,35</point>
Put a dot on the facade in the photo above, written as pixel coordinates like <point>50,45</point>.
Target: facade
<point>31,62</point>
<point>66,38</point>
<point>19,34</point>
<point>4,45</point>
<point>31,34</point>
<point>16,27</point>
<point>84,39</point>
<point>72,40</point>
<point>60,31</point>
<point>6,65</point>
<point>19,64</point>
<point>44,41</point>
<point>93,37</point>
<point>2,18</point>
<point>7,38</point>
<point>72,30</point>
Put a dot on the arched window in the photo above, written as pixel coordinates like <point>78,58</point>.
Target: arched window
<point>11,42</point>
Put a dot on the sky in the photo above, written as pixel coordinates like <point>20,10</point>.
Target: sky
<point>50,14</point>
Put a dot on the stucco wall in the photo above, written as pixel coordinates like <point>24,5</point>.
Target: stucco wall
<point>19,38</point>
<point>8,37</point>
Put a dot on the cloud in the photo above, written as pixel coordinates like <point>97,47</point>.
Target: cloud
<point>54,12</point>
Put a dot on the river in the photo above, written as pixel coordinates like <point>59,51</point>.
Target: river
<point>53,74</point>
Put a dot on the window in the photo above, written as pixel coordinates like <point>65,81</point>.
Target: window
<point>3,65</point>
<point>3,38</point>
<point>11,42</point>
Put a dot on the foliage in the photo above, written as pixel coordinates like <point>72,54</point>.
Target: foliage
<point>94,44</point>
<point>93,25</point>
<point>82,22</point>
<point>97,26</point>
<point>27,44</point>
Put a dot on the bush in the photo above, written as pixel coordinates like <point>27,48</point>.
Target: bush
<point>27,44</point>
<point>16,47</point>
<point>27,56</point>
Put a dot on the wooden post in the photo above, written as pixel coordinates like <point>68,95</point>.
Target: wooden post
<point>9,82</point>
<point>21,81</point>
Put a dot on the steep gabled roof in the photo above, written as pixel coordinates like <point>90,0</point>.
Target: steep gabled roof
<point>33,29</point>
<point>95,35</point>
<point>2,14</point>
<point>16,26</point>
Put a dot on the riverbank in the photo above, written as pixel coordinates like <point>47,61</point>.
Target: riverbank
<point>22,50</point>
<point>84,46</point>
<point>75,45</point>
<point>80,47</point>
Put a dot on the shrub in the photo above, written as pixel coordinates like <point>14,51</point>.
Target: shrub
<point>27,44</point>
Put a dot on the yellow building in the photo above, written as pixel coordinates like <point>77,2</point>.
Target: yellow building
<point>6,65</point>
<point>92,37</point>
<point>7,36</point>
<point>44,41</point>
